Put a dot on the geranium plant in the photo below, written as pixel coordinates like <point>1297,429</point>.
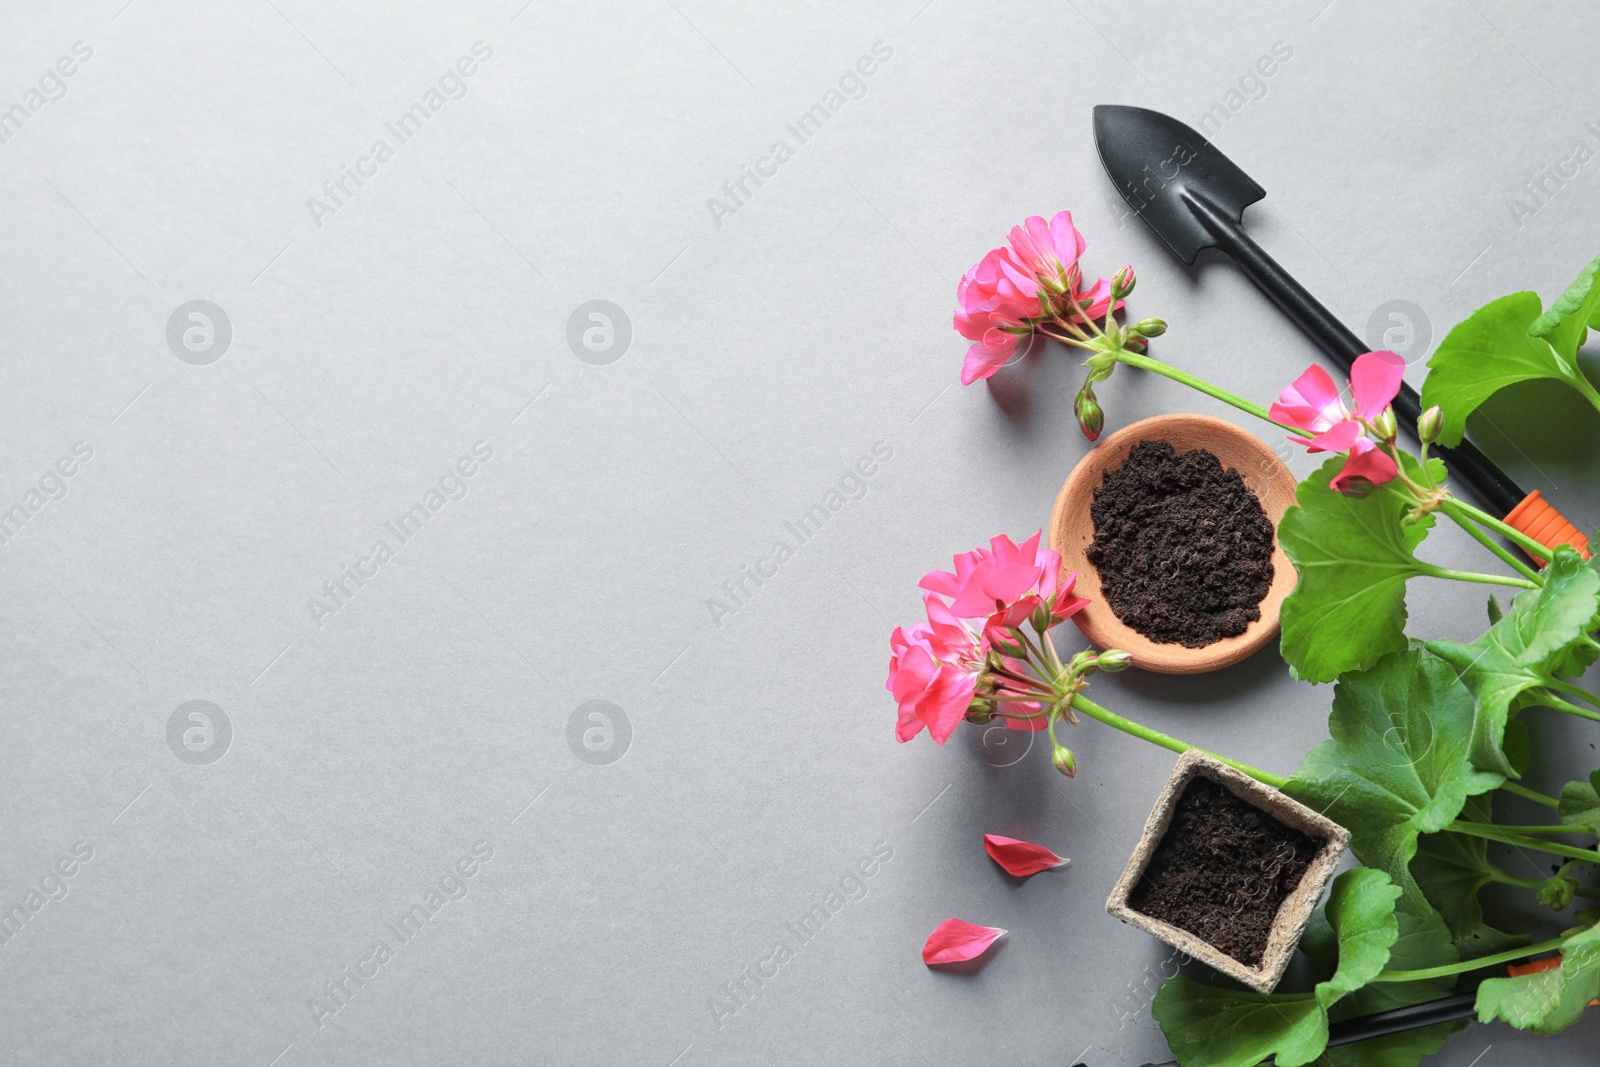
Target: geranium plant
<point>1427,737</point>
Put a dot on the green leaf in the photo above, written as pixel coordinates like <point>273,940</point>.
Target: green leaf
<point>1545,632</point>
<point>1354,557</point>
<point>1487,941</point>
<point>1361,910</point>
<point>1398,763</point>
<point>1452,869</point>
<point>1210,1027</point>
<point>1569,316</point>
<point>1491,349</point>
<point>1404,1049</point>
<point>1547,1002</point>
<point>1424,942</point>
<point>1207,1026</point>
<point>1580,803</point>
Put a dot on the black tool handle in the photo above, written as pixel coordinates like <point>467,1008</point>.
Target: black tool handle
<point>1468,464</point>
<point>1399,1020</point>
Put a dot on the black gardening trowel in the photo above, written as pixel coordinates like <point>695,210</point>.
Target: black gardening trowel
<point>1193,197</point>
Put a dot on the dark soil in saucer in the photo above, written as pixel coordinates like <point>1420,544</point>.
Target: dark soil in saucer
<point>1222,870</point>
<point>1183,548</point>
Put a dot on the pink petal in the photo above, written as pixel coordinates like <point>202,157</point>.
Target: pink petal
<point>1068,606</point>
<point>1367,461</point>
<point>1310,402</point>
<point>909,725</point>
<point>1064,236</point>
<point>911,675</point>
<point>1011,617</point>
<point>988,355</point>
<point>946,701</point>
<point>1340,438</point>
<point>1374,381</point>
<point>1021,858</point>
<point>953,941</point>
<point>1096,299</point>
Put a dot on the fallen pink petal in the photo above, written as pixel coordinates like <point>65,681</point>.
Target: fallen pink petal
<point>955,941</point>
<point>1021,858</point>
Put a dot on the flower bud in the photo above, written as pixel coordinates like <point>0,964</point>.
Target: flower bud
<point>1136,344</point>
<point>1122,283</point>
<point>1113,659</point>
<point>1384,425</point>
<point>1041,618</point>
<point>1356,485</point>
<point>1091,420</point>
<point>1065,761</point>
<point>1150,327</point>
<point>1557,893</point>
<point>980,712</point>
<point>1430,425</point>
<point>1008,645</point>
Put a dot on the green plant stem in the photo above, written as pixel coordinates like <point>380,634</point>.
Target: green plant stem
<point>1550,700</point>
<point>1544,829</point>
<point>1028,643</point>
<point>1469,965</point>
<point>1073,341</point>
<point>1494,833</point>
<point>1477,534</point>
<point>1505,878</point>
<point>1167,370</point>
<point>1473,576</point>
<point>1172,744</point>
<point>1581,383</point>
<point>1516,789</point>
<point>1483,518</point>
<point>1572,690</point>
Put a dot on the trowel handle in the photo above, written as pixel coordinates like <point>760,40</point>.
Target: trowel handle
<point>1491,485</point>
<point>1527,512</point>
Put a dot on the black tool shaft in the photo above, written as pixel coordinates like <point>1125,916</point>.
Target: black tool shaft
<point>1399,1020</point>
<point>1498,492</point>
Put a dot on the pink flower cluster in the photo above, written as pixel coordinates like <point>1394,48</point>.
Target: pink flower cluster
<point>1012,289</point>
<point>1312,403</point>
<point>935,666</point>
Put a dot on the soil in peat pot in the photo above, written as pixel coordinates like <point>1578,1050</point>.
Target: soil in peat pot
<point>1222,869</point>
<point>1183,547</point>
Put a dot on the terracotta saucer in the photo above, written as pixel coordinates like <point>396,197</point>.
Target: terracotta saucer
<point>1071,531</point>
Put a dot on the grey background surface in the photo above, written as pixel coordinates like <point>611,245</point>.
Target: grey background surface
<point>375,343</point>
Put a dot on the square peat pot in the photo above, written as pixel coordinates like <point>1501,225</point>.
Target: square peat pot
<point>1327,839</point>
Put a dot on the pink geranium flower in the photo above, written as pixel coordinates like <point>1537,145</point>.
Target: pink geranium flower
<point>1312,403</point>
<point>933,672</point>
<point>1009,291</point>
<point>1049,250</point>
<point>1005,581</point>
<point>998,297</point>
<point>934,667</point>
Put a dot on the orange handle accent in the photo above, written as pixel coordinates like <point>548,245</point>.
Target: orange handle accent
<point>1517,970</point>
<point>1536,518</point>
